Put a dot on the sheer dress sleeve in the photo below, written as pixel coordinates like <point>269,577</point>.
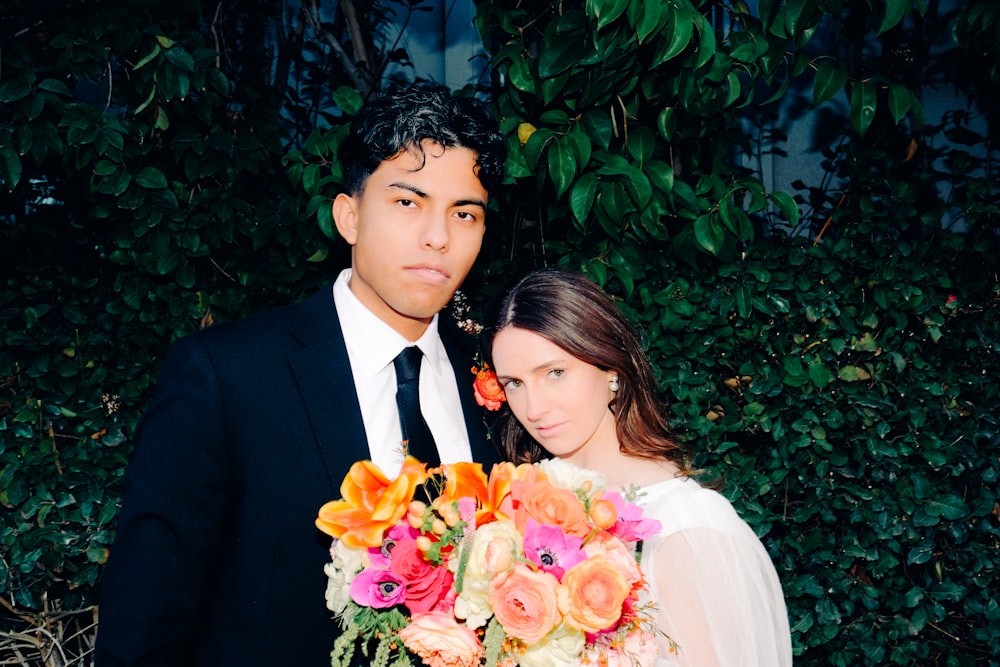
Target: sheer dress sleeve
<point>717,594</point>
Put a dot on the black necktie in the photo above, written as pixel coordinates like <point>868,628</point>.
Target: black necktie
<point>417,438</point>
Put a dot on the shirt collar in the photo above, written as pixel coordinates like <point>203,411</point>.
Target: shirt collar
<point>371,343</point>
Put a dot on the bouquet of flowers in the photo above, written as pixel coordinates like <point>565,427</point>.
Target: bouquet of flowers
<point>527,566</point>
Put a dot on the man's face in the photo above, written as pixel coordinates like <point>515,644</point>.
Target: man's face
<point>415,233</point>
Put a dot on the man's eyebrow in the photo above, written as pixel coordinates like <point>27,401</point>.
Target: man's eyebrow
<point>410,188</point>
<point>423,195</point>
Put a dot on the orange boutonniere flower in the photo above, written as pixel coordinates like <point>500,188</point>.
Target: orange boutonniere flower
<point>489,393</point>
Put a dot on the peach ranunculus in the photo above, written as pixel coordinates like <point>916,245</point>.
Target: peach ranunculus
<point>524,602</point>
<point>549,505</point>
<point>441,641</point>
<point>370,503</point>
<point>489,393</point>
<point>621,556</point>
<point>592,594</point>
<point>493,549</point>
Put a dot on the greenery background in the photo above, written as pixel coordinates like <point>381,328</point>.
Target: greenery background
<point>829,352</point>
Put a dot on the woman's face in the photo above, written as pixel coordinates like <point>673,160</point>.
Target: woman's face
<point>560,400</point>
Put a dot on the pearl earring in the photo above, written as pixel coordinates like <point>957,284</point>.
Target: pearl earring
<point>613,383</point>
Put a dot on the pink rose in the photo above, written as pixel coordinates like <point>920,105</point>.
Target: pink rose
<point>426,584</point>
<point>524,602</point>
<point>441,641</point>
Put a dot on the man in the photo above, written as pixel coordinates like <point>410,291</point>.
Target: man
<point>254,424</point>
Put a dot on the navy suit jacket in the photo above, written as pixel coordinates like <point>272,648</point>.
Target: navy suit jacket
<point>253,426</point>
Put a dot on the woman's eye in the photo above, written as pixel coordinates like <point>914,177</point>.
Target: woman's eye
<point>556,372</point>
<point>510,385</point>
<point>407,203</point>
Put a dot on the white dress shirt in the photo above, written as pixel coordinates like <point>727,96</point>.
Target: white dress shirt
<point>371,346</point>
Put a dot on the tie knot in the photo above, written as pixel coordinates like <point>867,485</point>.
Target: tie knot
<point>407,364</point>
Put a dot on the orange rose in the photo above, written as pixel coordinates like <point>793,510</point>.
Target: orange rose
<point>524,602</point>
<point>549,505</point>
<point>440,641</point>
<point>487,388</point>
<point>592,594</point>
<point>370,503</point>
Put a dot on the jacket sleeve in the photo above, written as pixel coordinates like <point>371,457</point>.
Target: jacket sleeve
<point>176,493</point>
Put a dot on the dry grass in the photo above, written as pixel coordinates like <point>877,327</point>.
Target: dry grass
<point>52,637</point>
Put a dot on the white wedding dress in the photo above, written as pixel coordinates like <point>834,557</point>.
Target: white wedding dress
<point>716,590</point>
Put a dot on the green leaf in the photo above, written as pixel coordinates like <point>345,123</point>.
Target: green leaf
<point>895,10</point>
<point>680,31</point>
<point>148,58</point>
<point>151,178</point>
<point>581,197</point>
<point>787,205</point>
<point>900,101</point>
<point>863,100</point>
<point>180,58</point>
<point>606,11</point>
<point>561,53</point>
<point>348,100</point>
<point>11,164</point>
<point>562,165</point>
<point>830,80</point>
<point>949,507</point>
<point>819,374</point>
<point>707,234</point>
<point>652,17</point>
<point>15,89</point>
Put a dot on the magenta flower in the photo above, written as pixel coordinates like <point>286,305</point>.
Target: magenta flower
<point>380,556</point>
<point>630,526</point>
<point>377,588</point>
<point>551,549</point>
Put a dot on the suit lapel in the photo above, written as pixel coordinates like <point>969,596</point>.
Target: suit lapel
<point>460,348</point>
<point>322,371</point>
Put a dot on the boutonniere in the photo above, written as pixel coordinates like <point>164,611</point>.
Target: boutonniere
<point>486,387</point>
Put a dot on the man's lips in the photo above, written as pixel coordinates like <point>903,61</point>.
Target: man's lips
<point>430,273</point>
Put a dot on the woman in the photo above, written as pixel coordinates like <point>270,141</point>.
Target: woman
<point>579,387</point>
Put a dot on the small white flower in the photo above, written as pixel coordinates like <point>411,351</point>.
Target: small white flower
<point>340,572</point>
<point>565,475</point>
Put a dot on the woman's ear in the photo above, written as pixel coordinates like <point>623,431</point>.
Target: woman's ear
<point>345,216</point>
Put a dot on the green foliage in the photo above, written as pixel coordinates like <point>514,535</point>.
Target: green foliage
<point>826,354</point>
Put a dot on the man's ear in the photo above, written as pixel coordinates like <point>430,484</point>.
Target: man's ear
<point>345,216</point>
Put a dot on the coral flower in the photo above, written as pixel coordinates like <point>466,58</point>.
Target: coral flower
<point>592,594</point>
<point>489,392</point>
<point>440,641</point>
<point>524,602</point>
<point>549,505</point>
<point>370,503</point>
